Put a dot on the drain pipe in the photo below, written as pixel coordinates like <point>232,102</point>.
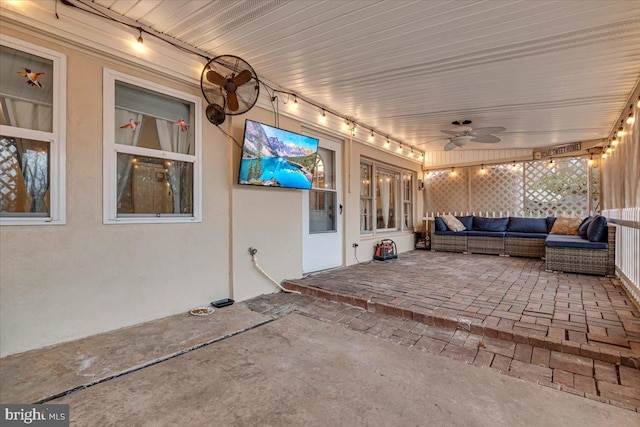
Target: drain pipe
<point>253,252</point>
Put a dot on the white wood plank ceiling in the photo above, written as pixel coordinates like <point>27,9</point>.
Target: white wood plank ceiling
<point>551,72</point>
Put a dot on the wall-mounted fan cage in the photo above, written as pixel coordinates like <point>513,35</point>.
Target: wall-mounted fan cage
<point>230,86</point>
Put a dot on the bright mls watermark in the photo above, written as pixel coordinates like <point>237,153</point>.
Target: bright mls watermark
<point>34,415</point>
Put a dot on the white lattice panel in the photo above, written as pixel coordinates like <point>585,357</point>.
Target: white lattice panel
<point>535,188</point>
<point>447,191</point>
<point>496,189</point>
<point>558,187</point>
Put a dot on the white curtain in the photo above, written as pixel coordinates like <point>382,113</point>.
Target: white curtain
<point>127,137</point>
<point>173,139</point>
<point>621,170</point>
<point>385,188</point>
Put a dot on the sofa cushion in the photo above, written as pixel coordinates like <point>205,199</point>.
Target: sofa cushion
<point>550,221</point>
<point>527,225</point>
<point>450,233</point>
<point>526,235</point>
<point>453,223</point>
<point>582,230</point>
<point>440,225</point>
<point>563,241</point>
<point>567,225</point>
<point>499,234</point>
<point>467,221</point>
<point>597,230</point>
<point>490,224</point>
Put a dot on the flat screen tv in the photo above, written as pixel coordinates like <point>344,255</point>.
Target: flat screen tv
<point>273,157</point>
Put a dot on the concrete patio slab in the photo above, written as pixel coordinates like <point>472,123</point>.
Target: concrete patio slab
<point>38,374</point>
<point>300,371</point>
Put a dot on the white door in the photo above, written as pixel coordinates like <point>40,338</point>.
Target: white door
<point>322,212</point>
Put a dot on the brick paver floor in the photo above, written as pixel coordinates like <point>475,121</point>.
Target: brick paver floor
<point>594,379</point>
<point>509,298</point>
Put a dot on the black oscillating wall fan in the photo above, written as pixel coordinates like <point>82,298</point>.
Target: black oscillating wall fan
<point>230,86</point>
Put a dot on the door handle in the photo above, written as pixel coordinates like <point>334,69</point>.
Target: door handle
<point>341,209</point>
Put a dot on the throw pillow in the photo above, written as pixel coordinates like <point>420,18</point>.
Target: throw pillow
<point>440,225</point>
<point>597,227</point>
<point>550,221</point>
<point>453,223</point>
<point>582,230</point>
<point>467,221</point>
<point>566,225</point>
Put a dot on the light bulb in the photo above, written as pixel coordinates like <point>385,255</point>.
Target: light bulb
<point>482,170</point>
<point>323,117</point>
<point>638,103</point>
<point>604,155</point>
<point>590,161</point>
<point>609,150</point>
<point>399,149</point>
<point>630,119</point>
<point>620,132</point>
<point>614,142</point>
<point>139,44</point>
<point>388,143</point>
<point>371,137</point>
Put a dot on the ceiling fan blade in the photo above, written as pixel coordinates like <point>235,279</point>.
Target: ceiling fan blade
<point>242,78</point>
<point>216,78</point>
<point>450,132</point>
<point>450,146</point>
<point>232,101</point>
<point>486,139</point>
<point>487,131</point>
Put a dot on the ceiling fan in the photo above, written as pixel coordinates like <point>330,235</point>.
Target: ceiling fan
<point>463,134</point>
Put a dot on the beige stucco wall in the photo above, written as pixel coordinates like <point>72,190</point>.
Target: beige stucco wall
<point>63,282</point>
<point>268,219</point>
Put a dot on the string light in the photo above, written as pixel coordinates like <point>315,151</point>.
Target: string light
<point>453,170</point>
<point>323,116</point>
<point>638,103</point>
<point>482,169</point>
<point>620,132</point>
<point>411,152</point>
<point>614,141</point>
<point>139,45</point>
<point>371,137</point>
<point>604,155</point>
<point>609,150</point>
<point>388,143</point>
<point>514,167</point>
<point>399,149</point>
<point>590,161</point>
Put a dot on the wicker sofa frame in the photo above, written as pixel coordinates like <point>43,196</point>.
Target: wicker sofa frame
<point>564,259</point>
<point>588,261</point>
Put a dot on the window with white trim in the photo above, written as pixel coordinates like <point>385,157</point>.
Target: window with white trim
<point>152,152</point>
<point>32,134</point>
<point>388,192</point>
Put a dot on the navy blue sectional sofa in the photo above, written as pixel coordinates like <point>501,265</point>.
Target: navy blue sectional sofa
<point>591,252</point>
